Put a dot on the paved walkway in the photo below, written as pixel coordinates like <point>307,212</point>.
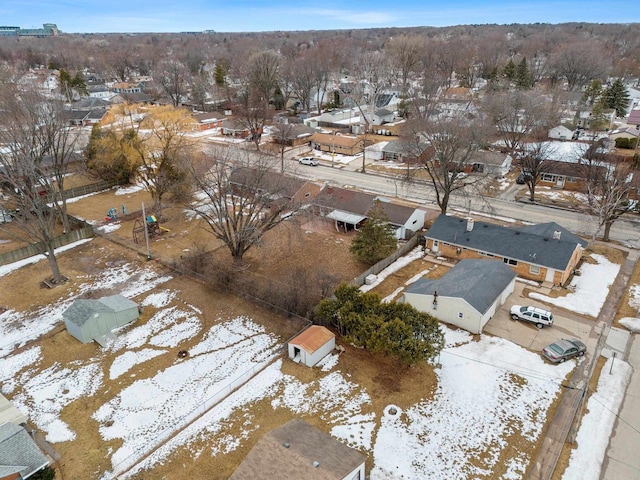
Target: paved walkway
<point>622,461</point>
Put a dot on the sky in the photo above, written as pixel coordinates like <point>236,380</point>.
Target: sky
<point>83,16</point>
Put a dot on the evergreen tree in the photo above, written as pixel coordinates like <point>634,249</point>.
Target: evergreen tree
<point>523,77</point>
<point>592,92</point>
<point>509,70</point>
<point>617,97</point>
<point>598,119</point>
<point>220,72</point>
<point>375,240</point>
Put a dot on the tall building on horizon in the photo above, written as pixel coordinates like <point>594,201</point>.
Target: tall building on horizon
<point>47,30</point>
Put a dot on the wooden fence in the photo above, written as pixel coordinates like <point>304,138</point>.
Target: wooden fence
<point>382,264</point>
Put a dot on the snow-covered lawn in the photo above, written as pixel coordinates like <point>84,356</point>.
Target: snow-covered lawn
<point>589,289</point>
<point>488,391</point>
<point>596,427</point>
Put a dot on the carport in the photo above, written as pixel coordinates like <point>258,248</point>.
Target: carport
<point>345,219</point>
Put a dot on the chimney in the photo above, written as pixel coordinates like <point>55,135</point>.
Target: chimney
<point>469,224</point>
<point>556,234</point>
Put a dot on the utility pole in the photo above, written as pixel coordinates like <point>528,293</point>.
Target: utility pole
<point>146,232</point>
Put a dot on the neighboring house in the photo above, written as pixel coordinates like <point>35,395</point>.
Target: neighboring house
<point>292,135</point>
<point>89,319</point>
<point>126,87</point>
<point>491,163</point>
<point>296,451</point>
<point>634,183</point>
<point>139,97</point>
<point>561,133</point>
<point>467,296</point>
<point>235,128</point>
<point>383,116</point>
<point>397,151</point>
<point>90,103</point>
<point>312,345</point>
<point>569,176</point>
<point>9,413</point>
<point>20,457</point>
<point>634,117</point>
<point>349,208</point>
<point>340,144</point>
<point>99,90</point>
<point>544,252</point>
<point>625,132</point>
<point>207,121</point>
<point>83,118</point>
<point>584,118</point>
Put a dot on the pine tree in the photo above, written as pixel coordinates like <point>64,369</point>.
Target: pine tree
<point>592,92</point>
<point>509,70</point>
<point>523,75</point>
<point>617,97</point>
<point>375,240</point>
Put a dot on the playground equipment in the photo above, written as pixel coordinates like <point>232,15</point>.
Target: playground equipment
<point>153,229</point>
<point>112,215</point>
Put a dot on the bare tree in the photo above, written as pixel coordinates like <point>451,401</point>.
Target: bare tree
<point>609,197</point>
<point>243,198</point>
<point>579,63</point>
<point>36,152</point>
<point>534,162</point>
<point>405,53</point>
<point>173,77</point>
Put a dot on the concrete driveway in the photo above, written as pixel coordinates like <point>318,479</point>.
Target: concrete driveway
<point>525,334</point>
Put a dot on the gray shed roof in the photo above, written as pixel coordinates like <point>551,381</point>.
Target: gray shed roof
<point>82,309</point>
<point>479,282</point>
<point>532,244</point>
<point>18,453</point>
<point>288,453</point>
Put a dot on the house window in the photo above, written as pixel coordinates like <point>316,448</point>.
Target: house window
<point>510,261</point>
<point>547,177</point>
<point>460,315</point>
<point>535,269</point>
<point>485,254</point>
<point>435,244</point>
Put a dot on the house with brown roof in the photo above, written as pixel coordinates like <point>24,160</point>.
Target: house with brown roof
<point>349,208</point>
<point>312,345</point>
<point>341,144</point>
<point>569,175</point>
<point>208,120</point>
<point>297,450</point>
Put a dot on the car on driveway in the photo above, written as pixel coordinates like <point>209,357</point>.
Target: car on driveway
<point>564,349</point>
<point>538,316</point>
<point>309,161</point>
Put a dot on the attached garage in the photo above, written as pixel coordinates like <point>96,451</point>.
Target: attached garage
<point>467,296</point>
<point>88,319</point>
<point>312,345</point>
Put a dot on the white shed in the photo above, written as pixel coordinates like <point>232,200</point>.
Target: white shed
<point>467,296</point>
<point>312,345</point>
<point>561,133</point>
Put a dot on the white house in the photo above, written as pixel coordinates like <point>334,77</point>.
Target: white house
<point>312,345</point>
<point>467,296</point>
<point>491,163</point>
<point>382,116</point>
<point>560,133</point>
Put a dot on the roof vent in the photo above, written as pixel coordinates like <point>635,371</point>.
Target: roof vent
<point>286,445</point>
<point>556,234</point>
<point>315,464</point>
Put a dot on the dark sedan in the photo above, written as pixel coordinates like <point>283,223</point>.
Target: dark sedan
<point>564,349</point>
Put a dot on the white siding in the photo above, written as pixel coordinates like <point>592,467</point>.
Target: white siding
<point>448,310</point>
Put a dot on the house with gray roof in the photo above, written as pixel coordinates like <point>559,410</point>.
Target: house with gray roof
<point>9,413</point>
<point>544,252</point>
<point>90,319</point>
<point>297,450</point>
<point>20,457</point>
<point>467,296</point>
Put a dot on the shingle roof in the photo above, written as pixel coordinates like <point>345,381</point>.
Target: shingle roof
<point>528,244</point>
<point>479,282</point>
<point>313,338</point>
<point>17,450</point>
<point>289,452</point>
<point>82,309</point>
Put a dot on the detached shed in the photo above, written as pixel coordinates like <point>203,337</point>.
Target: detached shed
<point>88,319</point>
<point>312,345</point>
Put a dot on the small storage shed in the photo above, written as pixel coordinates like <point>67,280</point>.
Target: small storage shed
<point>9,413</point>
<point>88,319</point>
<point>312,345</point>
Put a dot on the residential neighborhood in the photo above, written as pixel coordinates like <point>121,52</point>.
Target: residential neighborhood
<point>334,254</point>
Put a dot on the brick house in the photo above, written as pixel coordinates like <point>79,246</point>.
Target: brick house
<point>342,144</point>
<point>544,252</point>
<point>207,121</point>
<point>568,175</point>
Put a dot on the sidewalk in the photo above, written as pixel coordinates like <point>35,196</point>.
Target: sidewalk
<point>622,461</point>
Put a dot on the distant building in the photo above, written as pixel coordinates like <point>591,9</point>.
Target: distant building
<point>47,30</point>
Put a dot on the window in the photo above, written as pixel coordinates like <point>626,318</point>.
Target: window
<point>460,315</point>
<point>535,269</point>
<point>486,254</point>
<point>547,177</point>
<point>510,261</point>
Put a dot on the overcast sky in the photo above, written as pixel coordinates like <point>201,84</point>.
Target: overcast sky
<point>73,16</point>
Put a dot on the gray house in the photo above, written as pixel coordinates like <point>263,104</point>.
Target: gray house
<point>295,451</point>
<point>89,320</point>
<point>20,457</point>
<point>467,296</point>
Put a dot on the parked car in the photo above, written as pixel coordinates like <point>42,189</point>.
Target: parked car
<point>523,178</point>
<point>309,161</point>
<point>535,315</point>
<point>564,349</point>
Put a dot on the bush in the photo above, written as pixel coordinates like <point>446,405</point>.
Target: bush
<point>629,143</point>
<point>47,473</point>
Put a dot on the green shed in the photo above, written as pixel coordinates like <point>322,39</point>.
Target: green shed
<point>88,319</point>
